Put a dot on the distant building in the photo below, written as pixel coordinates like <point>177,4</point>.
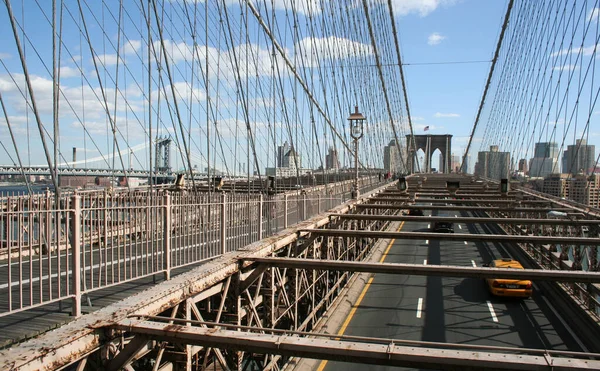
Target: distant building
<point>556,185</point>
<point>289,163</point>
<point>546,149</point>
<point>586,190</point>
<point>281,152</point>
<point>581,188</point>
<point>579,158</point>
<point>292,159</point>
<point>331,159</point>
<point>83,181</point>
<point>493,164</point>
<point>465,164</point>
<point>545,160</point>
<point>454,164</point>
<point>390,157</point>
<point>523,166</point>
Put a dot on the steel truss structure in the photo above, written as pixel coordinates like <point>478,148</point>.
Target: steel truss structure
<point>258,307</point>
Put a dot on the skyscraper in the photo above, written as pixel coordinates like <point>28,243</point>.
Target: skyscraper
<point>546,149</point>
<point>545,160</point>
<point>493,164</point>
<point>331,159</point>
<point>523,165</point>
<point>281,152</point>
<point>390,156</point>
<point>465,165</point>
<point>579,158</point>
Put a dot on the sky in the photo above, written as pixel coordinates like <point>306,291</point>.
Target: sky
<point>445,97</point>
<point>446,46</point>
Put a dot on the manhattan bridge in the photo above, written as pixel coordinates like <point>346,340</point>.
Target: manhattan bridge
<point>240,185</point>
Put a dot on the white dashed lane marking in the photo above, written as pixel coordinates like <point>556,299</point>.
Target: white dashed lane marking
<point>419,307</point>
<point>492,312</point>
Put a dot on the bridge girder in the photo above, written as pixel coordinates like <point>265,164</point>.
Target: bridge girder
<point>235,290</point>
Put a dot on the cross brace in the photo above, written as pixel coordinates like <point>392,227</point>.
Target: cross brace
<point>352,351</point>
<point>431,270</point>
<point>457,237</point>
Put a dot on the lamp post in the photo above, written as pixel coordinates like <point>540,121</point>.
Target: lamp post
<point>356,132</point>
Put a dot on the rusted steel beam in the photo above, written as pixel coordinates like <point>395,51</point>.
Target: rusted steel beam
<point>460,208</point>
<point>398,218</point>
<point>457,237</point>
<point>453,200</point>
<point>431,270</point>
<point>389,354</point>
<point>127,354</point>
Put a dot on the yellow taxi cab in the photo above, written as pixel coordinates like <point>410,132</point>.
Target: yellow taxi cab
<point>508,286</point>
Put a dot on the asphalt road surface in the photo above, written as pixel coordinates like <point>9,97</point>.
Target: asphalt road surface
<point>451,310</point>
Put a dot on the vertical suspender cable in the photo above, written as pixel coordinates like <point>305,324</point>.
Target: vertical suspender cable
<point>489,79</point>
<point>55,82</point>
<point>380,73</point>
<point>105,99</point>
<point>12,137</point>
<point>171,82</point>
<point>404,91</point>
<point>30,89</point>
<point>287,61</point>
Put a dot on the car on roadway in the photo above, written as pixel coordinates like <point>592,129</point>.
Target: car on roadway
<point>415,212</point>
<point>508,287</point>
<point>443,227</point>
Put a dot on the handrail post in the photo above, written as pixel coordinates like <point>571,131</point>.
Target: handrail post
<point>330,200</point>
<point>319,203</point>
<point>260,217</point>
<point>167,235</point>
<point>304,206</point>
<point>285,211</point>
<point>76,254</point>
<point>223,222</point>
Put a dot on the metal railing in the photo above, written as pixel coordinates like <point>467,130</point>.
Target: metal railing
<point>54,250</point>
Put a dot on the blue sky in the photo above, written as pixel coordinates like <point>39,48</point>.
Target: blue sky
<point>443,96</point>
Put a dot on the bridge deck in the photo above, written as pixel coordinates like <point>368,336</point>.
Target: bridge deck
<point>26,324</point>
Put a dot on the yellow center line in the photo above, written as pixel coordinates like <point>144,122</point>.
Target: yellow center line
<point>360,298</point>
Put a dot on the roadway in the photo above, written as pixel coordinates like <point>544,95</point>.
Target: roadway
<point>451,310</point>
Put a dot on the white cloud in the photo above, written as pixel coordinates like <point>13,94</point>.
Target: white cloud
<point>305,7</point>
<point>435,38</point>
<point>132,46</point>
<point>4,56</point>
<point>66,72</point>
<point>438,114</point>
<point>421,7</point>
<point>557,122</point>
<point>417,118</point>
<point>566,67</point>
<point>330,47</point>
<point>460,139</point>
<point>14,120</point>
<point>302,7</point>
<point>79,98</point>
<point>106,59</point>
<point>586,51</point>
<point>184,90</point>
<point>593,16</point>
